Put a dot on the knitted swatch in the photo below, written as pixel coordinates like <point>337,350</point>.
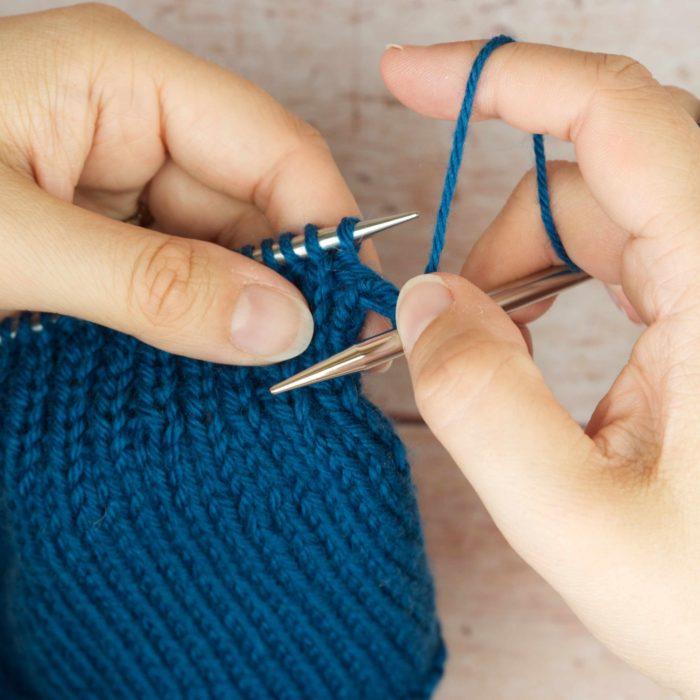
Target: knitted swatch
<point>171,529</point>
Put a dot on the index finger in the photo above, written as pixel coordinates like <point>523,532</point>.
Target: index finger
<point>637,148</point>
<point>233,137</point>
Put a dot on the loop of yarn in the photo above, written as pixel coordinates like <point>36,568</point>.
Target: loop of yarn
<point>345,232</point>
<point>452,173</point>
<point>375,293</point>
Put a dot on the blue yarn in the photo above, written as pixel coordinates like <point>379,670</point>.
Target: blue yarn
<point>543,198</point>
<point>172,530</point>
<point>452,173</point>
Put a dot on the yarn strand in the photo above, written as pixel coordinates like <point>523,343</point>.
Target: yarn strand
<point>453,167</point>
<point>545,208</point>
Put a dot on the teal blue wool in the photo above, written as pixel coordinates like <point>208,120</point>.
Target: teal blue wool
<point>174,530</point>
<point>452,173</point>
<point>169,529</point>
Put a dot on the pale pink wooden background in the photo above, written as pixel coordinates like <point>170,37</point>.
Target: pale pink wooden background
<point>510,636</point>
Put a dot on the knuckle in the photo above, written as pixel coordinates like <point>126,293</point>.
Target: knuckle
<point>76,25</point>
<point>307,142</point>
<point>169,281</point>
<point>303,140</point>
<point>99,12</point>
<point>461,372</point>
<point>615,70</point>
<point>308,135</point>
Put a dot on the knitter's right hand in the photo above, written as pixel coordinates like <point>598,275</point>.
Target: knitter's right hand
<point>609,515</point>
<point>99,114</point>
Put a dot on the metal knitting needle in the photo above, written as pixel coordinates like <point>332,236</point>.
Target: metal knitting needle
<point>328,237</point>
<point>387,346</point>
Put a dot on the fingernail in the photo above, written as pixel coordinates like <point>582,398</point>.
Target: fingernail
<point>422,300</point>
<point>393,46</point>
<point>270,324</point>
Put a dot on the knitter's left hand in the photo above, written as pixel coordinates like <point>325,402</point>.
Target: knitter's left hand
<point>100,116</point>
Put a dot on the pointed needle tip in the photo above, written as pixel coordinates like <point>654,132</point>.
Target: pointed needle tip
<point>296,381</point>
<point>407,216</point>
<point>279,389</point>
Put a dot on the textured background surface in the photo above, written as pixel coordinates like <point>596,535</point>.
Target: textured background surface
<point>510,635</point>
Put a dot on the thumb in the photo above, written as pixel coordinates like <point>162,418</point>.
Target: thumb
<point>185,296</point>
<point>482,396</point>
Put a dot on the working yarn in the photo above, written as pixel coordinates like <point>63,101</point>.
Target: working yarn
<point>169,529</point>
<point>459,138</point>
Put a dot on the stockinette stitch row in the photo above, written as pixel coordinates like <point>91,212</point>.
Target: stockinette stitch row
<point>173,530</point>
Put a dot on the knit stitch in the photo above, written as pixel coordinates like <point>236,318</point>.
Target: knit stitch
<point>174,530</point>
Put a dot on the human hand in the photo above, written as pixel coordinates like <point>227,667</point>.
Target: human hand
<point>610,516</point>
<point>99,115</point>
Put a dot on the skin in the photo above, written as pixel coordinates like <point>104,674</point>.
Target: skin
<point>609,514</point>
<point>99,114</point>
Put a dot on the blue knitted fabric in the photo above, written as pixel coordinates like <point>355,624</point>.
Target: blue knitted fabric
<point>171,529</point>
